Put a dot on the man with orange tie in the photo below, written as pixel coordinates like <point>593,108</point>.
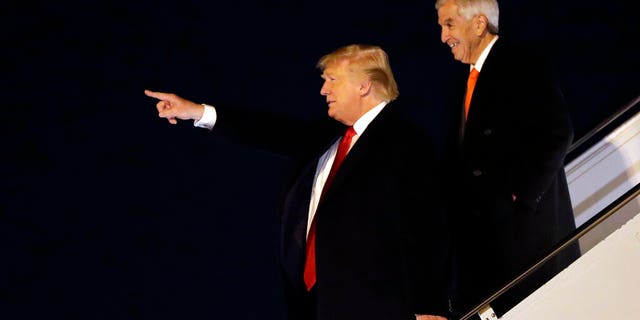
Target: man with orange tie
<point>363,234</point>
<point>510,132</point>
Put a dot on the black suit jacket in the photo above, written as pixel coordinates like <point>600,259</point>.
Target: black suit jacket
<point>382,241</point>
<point>514,142</point>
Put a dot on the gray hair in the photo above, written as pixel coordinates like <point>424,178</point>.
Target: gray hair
<point>471,8</point>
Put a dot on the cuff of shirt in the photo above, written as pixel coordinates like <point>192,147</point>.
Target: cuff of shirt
<point>208,119</point>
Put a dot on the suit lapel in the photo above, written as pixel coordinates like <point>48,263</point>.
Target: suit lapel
<point>293,229</point>
<point>359,150</point>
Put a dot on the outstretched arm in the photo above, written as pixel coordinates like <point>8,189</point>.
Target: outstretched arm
<point>173,107</point>
<point>429,317</point>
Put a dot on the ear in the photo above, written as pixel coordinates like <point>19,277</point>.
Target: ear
<point>480,24</point>
<point>365,87</point>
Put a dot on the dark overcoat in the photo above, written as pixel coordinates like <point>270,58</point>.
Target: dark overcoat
<point>513,144</point>
<point>382,240</point>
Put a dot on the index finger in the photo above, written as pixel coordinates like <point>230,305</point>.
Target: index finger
<point>157,95</point>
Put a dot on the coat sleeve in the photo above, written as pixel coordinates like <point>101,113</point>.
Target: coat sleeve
<point>426,234</point>
<point>545,135</point>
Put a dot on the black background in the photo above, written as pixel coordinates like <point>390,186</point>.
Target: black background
<point>109,212</point>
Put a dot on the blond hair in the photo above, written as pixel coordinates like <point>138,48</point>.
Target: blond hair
<point>370,61</point>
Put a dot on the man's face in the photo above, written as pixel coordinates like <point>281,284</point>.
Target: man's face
<point>342,92</point>
<point>458,33</point>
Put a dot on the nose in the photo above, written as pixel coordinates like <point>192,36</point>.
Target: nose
<point>325,89</point>
<point>444,35</point>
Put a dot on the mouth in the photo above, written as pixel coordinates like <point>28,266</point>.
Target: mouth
<point>452,44</point>
<point>329,102</point>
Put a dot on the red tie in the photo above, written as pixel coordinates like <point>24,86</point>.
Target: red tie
<point>471,83</point>
<point>310,261</point>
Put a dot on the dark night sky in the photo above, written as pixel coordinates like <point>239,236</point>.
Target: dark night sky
<point>108,212</point>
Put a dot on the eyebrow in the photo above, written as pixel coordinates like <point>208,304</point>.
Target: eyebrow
<point>326,74</point>
<point>447,20</point>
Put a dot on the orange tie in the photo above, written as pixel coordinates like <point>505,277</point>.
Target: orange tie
<point>310,261</point>
<point>471,83</point>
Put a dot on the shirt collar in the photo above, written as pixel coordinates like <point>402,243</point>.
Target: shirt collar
<point>483,55</point>
<point>361,124</point>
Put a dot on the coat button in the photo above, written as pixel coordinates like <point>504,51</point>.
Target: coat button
<point>477,173</point>
<point>487,132</point>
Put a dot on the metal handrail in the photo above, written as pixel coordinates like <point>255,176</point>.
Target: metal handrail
<point>603,124</point>
<point>573,237</point>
